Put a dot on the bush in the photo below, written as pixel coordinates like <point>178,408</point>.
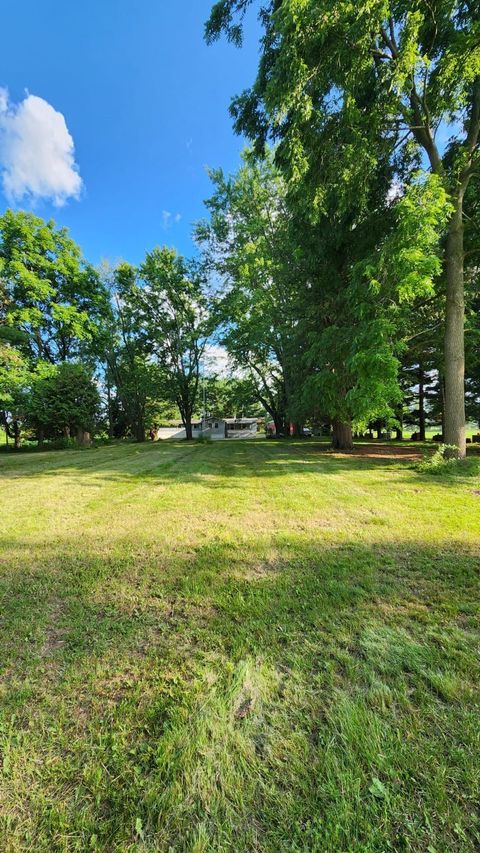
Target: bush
<point>204,439</point>
<point>444,459</point>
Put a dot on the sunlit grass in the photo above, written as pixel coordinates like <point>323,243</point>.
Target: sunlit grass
<point>249,646</point>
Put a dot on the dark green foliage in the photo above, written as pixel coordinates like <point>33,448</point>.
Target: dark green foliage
<point>231,397</point>
<point>351,90</point>
<point>63,400</point>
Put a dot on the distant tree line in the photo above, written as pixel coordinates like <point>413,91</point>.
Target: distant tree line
<point>108,350</point>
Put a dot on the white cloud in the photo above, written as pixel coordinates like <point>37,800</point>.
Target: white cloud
<point>395,191</point>
<point>216,361</point>
<point>169,219</point>
<point>37,155</point>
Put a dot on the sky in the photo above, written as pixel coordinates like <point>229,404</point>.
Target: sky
<point>110,112</point>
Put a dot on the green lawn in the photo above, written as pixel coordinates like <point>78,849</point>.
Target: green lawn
<point>244,646</point>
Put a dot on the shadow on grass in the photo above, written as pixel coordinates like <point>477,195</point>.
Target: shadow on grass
<point>295,586</point>
<point>174,702</point>
<point>180,463</point>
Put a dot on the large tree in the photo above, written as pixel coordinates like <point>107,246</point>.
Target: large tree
<point>131,379</point>
<point>247,243</point>
<point>420,65</point>
<point>306,306</point>
<point>170,308</point>
<point>63,400</point>
<point>50,297</point>
<point>13,384</point>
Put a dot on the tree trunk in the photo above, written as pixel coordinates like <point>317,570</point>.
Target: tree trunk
<point>83,437</point>
<point>279,425</point>
<point>454,334</point>
<point>441,379</point>
<point>140,430</point>
<point>110,412</point>
<point>40,436</point>
<point>342,436</point>
<point>188,429</point>
<point>16,435</point>
<point>399,428</point>
<point>421,402</point>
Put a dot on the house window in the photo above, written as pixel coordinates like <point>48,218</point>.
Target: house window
<point>216,425</point>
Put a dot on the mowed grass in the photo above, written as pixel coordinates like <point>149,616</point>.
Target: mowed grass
<point>237,646</point>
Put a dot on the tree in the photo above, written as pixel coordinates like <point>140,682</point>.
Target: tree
<point>13,382</point>
<point>49,295</point>
<point>63,400</point>
<point>472,276</point>
<point>419,63</point>
<point>171,310</point>
<point>248,245</point>
<point>306,306</point>
<point>421,372</point>
<point>129,370</point>
<point>231,397</point>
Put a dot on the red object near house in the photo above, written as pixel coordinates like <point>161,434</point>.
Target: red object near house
<point>270,428</point>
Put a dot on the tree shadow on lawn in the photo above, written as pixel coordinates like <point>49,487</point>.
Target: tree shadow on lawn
<point>195,694</point>
<point>166,463</point>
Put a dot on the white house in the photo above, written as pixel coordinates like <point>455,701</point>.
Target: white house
<point>217,428</point>
<point>209,428</point>
<point>241,427</point>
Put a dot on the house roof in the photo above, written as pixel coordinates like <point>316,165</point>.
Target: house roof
<point>240,420</point>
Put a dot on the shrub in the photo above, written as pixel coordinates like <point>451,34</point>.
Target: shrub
<point>444,459</point>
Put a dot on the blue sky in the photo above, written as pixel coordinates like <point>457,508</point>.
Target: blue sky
<point>146,103</point>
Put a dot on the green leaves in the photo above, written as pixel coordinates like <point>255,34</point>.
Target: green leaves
<point>409,261</point>
<point>49,292</point>
<point>62,396</point>
<point>165,321</point>
<point>13,375</point>
<point>377,789</point>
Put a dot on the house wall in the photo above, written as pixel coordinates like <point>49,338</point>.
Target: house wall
<point>220,429</point>
<point>245,432</point>
<point>214,429</point>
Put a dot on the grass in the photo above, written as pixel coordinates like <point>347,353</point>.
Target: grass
<point>471,428</point>
<point>249,646</point>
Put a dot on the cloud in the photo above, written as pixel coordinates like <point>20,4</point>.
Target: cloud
<point>37,155</point>
<point>216,361</point>
<point>395,191</point>
<point>169,219</point>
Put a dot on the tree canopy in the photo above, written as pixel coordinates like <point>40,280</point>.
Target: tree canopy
<point>342,88</point>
